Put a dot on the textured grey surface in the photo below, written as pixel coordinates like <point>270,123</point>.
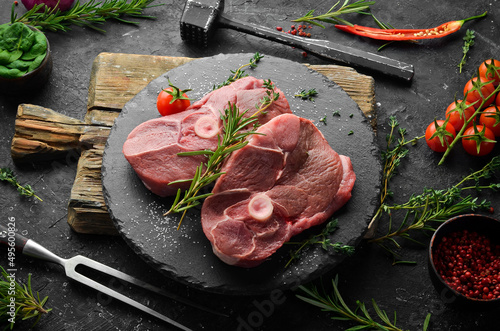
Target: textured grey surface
<point>186,254</point>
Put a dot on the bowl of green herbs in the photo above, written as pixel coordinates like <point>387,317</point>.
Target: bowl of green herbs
<point>25,59</point>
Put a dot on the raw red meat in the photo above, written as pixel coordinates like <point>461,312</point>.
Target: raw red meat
<point>152,147</point>
<point>277,186</point>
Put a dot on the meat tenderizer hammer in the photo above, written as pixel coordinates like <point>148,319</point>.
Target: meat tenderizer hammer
<point>200,19</point>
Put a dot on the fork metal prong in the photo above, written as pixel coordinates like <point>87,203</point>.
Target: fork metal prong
<point>79,259</point>
<point>73,274</point>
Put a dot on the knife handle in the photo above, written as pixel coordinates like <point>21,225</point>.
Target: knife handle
<point>9,237</point>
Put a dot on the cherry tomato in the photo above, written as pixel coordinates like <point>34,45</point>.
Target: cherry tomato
<point>478,140</point>
<point>435,135</point>
<point>458,112</point>
<point>472,88</point>
<point>497,101</point>
<point>490,69</point>
<point>491,119</point>
<point>172,100</point>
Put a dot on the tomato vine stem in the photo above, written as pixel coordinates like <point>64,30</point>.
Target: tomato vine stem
<point>467,122</point>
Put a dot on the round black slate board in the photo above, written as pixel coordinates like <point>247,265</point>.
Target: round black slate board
<point>186,254</point>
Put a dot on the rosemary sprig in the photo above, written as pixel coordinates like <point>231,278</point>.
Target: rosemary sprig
<point>232,139</point>
<point>27,306</point>
<point>430,206</point>
<point>332,15</point>
<point>323,240</point>
<point>440,205</point>
<point>336,304</point>
<point>307,95</point>
<point>87,14</point>
<point>6,174</point>
<point>240,73</point>
<point>468,43</point>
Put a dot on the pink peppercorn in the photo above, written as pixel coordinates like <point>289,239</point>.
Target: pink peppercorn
<point>470,263</point>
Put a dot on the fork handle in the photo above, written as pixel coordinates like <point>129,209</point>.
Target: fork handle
<point>11,238</point>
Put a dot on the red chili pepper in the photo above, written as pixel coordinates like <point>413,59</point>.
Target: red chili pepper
<point>407,34</point>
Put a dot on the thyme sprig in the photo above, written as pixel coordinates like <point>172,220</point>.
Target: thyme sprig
<point>468,43</point>
<point>395,151</point>
<point>307,95</point>
<point>88,14</point>
<point>439,205</point>
<point>332,15</point>
<point>6,174</point>
<point>430,206</point>
<point>27,305</point>
<point>335,304</point>
<point>240,73</point>
<point>322,239</point>
<point>233,138</point>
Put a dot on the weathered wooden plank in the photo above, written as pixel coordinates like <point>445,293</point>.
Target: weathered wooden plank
<point>100,117</point>
<point>87,211</point>
<point>42,134</point>
<point>116,77</point>
<point>361,88</point>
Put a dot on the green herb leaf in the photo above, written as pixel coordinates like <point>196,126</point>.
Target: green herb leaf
<point>321,239</point>
<point>87,14</point>
<point>307,95</point>
<point>334,303</point>
<point>27,306</point>
<point>21,49</point>
<point>6,174</point>
<point>240,73</point>
<point>468,43</point>
<point>332,15</point>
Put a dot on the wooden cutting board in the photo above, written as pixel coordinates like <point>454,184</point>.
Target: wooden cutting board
<point>44,134</point>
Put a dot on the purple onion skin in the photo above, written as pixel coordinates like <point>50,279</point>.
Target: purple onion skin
<point>63,4</point>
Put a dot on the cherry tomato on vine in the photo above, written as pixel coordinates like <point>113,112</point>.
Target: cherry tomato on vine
<point>438,135</point>
<point>458,112</point>
<point>497,101</point>
<point>478,140</point>
<point>490,69</point>
<point>172,100</point>
<point>472,95</point>
<point>491,119</point>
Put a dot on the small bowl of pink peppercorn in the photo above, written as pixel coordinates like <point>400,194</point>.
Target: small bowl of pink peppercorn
<point>464,261</point>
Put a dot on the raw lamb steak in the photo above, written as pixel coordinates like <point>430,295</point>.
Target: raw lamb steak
<point>277,186</point>
<point>152,147</point>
